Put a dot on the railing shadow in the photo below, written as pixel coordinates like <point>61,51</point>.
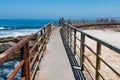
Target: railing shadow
<point>78,74</point>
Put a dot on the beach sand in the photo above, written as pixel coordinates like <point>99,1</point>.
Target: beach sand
<point>108,55</point>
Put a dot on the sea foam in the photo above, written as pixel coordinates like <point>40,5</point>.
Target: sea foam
<point>16,32</point>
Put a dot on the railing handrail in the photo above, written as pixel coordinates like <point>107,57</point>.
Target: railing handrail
<point>14,49</point>
<point>43,27</point>
<point>67,34</point>
<point>25,54</point>
<point>96,24</point>
<point>111,46</point>
<point>18,46</point>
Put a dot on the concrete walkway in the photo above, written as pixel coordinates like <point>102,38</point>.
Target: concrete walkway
<point>55,64</point>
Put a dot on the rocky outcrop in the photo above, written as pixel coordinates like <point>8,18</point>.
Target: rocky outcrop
<point>5,46</point>
<point>6,43</point>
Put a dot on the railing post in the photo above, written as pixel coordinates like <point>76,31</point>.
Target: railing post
<point>67,29</point>
<point>45,37</point>
<point>37,50</point>
<point>49,31</point>
<point>26,66</point>
<point>64,32</point>
<point>74,42</point>
<point>82,51</point>
<point>42,47</point>
<point>70,38</point>
<point>41,33</point>
<point>98,60</point>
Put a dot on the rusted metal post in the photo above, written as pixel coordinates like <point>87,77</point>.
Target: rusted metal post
<point>45,37</point>
<point>70,38</point>
<point>41,33</point>
<point>26,66</point>
<point>44,30</point>
<point>67,29</point>
<point>82,51</point>
<point>98,60</point>
<point>47,30</point>
<point>47,33</point>
<point>64,34</point>
<point>37,50</point>
<point>63,26</point>
<point>41,41</point>
<point>50,30</point>
<point>74,42</point>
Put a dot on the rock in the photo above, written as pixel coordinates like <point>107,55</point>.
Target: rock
<point>5,46</point>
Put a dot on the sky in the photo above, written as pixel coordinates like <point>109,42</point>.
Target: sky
<point>53,9</point>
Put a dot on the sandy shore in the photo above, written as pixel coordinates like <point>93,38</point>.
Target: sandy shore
<point>111,37</point>
<point>108,55</point>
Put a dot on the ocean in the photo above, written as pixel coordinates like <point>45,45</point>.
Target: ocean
<point>20,27</point>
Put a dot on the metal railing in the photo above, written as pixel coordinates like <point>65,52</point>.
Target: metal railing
<point>101,20</point>
<point>30,57</point>
<point>70,35</point>
<point>105,24</point>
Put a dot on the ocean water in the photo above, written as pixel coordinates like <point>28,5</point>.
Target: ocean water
<point>7,68</point>
<point>20,27</point>
<point>13,28</point>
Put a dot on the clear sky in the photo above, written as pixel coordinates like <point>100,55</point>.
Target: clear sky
<point>51,9</point>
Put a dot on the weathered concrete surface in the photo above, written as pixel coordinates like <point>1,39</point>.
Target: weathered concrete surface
<point>55,64</point>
